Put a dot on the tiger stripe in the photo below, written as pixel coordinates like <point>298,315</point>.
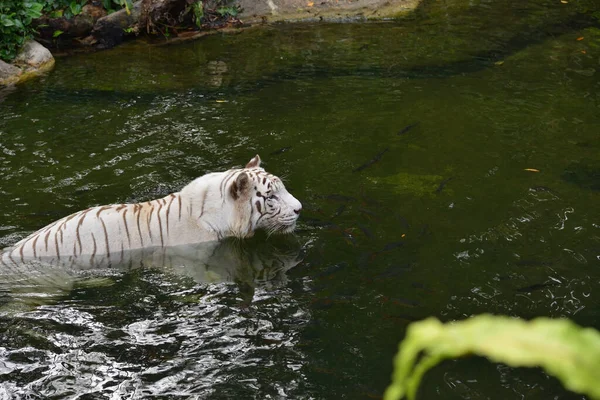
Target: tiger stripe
<point>56,244</point>
<point>125,223</point>
<point>162,244</point>
<point>93,251</point>
<point>137,210</point>
<point>230,203</point>
<point>179,200</point>
<point>33,246</point>
<point>169,210</point>
<point>148,221</point>
<point>105,236</point>
<point>46,240</point>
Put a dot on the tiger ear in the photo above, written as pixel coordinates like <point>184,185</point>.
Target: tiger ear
<point>254,163</point>
<point>239,186</point>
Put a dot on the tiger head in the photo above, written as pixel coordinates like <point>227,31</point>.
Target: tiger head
<point>263,199</point>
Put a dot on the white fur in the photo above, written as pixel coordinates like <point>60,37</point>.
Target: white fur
<point>212,207</point>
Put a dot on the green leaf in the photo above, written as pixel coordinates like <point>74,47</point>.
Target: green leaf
<point>562,348</point>
<point>198,9</point>
<point>75,8</point>
<point>223,11</point>
<point>57,33</point>
<point>7,21</point>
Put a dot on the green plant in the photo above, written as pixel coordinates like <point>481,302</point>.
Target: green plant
<point>15,25</point>
<point>198,10</point>
<point>63,8</point>
<point>563,349</point>
<point>127,4</point>
<point>228,11</point>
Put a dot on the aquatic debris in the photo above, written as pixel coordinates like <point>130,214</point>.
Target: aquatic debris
<point>372,161</point>
<point>499,63</point>
<point>580,38</point>
<point>442,185</point>
<point>531,170</point>
<point>407,128</point>
<point>280,151</point>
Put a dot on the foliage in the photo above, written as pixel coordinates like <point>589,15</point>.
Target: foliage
<point>62,8</point>
<point>15,25</point>
<point>16,19</point>
<point>560,347</point>
<point>228,11</point>
<point>126,4</point>
<point>198,10</point>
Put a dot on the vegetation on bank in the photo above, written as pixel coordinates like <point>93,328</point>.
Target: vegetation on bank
<point>20,20</point>
<point>562,348</point>
<point>15,25</point>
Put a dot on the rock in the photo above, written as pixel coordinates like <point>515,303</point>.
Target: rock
<point>34,55</point>
<point>32,60</point>
<point>330,10</point>
<point>157,11</point>
<point>109,31</point>
<point>83,23</point>
<point>8,73</point>
<point>79,26</point>
<point>95,12</point>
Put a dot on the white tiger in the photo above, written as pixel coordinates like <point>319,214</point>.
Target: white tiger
<point>217,205</point>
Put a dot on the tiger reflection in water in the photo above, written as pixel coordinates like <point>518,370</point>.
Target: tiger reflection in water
<point>255,262</point>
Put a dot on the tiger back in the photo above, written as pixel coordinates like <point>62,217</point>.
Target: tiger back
<point>234,203</point>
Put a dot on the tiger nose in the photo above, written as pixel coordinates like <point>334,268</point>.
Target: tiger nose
<point>298,210</point>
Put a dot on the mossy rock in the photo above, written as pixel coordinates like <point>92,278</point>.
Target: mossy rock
<point>414,184</point>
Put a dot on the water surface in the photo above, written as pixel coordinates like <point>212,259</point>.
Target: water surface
<point>442,220</point>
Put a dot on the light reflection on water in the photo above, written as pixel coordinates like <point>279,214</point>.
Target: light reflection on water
<point>186,332</point>
<point>447,222</point>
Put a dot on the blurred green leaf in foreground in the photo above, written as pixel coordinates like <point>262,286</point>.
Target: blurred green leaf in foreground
<point>563,349</point>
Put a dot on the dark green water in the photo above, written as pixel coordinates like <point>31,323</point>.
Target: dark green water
<point>446,223</point>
